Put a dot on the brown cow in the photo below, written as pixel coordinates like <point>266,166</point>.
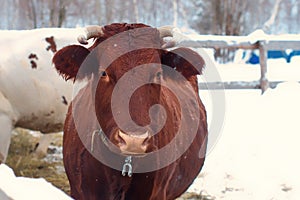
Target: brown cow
<point>158,147</point>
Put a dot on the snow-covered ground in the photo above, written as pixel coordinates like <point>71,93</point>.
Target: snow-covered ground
<point>22,188</point>
<point>257,154</point>
<point>277,70</point>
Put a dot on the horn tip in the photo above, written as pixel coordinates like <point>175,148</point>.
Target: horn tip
<point>82,39</point>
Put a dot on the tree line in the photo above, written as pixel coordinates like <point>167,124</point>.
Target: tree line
<point>218,17</point>
<point>221,17</point>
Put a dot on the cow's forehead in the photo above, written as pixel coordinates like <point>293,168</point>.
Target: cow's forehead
<point>128,49</point>
<point>142,62</point>
<point>116,28</point>
<point>131,39</point>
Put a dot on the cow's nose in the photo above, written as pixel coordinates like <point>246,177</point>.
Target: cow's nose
<point>132,143</point>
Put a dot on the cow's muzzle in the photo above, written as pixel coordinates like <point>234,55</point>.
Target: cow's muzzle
<point>131,143</point>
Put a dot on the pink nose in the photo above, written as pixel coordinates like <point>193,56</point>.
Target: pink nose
<point>132,143</point>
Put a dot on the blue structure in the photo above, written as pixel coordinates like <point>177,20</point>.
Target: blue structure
<point>254,58</point>
<point>277,54</point>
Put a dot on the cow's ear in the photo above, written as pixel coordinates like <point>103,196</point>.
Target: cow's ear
<point>69,59</point>
<point>184,60</point>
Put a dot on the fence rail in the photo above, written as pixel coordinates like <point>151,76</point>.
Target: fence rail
<point>263,44</point>
<point>236,85</point>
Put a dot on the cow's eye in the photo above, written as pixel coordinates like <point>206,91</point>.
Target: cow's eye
<point>103,73</point>
<point>159,74</point>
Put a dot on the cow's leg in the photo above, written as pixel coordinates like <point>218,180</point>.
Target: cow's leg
<point>5,135</point>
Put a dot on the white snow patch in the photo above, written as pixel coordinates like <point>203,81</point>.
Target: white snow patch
<point>20,188</point>
<point>296,59</point>
<point>257,156</point>
<point>256,35</point>
<point>278,70</point>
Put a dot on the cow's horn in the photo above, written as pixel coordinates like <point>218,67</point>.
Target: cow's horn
<point>90,32</point>
<point>170,31</point>
<point>166,31</point>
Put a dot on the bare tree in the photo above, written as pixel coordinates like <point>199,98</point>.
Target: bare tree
<point>57,12</point>
<point>136,10</point>
<point>61,12</point>
<point>175,12</point>
<point>27,15</point>
<point>228,18</point>
<point>154,10</point>
<point>52,13</point>
<point>32,6</point>
<point>272,18</point>
<point>183,10</point>
<point>222,17</point>
<point>98,11</point>
<point>109,10</point>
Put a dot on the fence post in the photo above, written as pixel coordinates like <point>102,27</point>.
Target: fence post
<point>264,83</point>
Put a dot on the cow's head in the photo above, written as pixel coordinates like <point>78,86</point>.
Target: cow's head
<point>127,59</point>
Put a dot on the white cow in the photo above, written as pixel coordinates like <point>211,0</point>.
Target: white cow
<point>32,94</point>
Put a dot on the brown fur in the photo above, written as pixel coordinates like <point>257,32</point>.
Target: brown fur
<point>33,64</point>
<point>33,56</point>
<point>52,44</point>
<point>91,179</point>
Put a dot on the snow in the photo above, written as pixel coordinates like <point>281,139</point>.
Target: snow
<point>257,155</point>
<point>278,70</point>
<point>252,38</point>
<point>21,188</point>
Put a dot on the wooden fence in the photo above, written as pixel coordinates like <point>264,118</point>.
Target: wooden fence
<point>262,43</point>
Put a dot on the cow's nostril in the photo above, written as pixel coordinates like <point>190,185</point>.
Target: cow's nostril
<point>146,141</point>
<point>119,139</point>
<point>133,143</point>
